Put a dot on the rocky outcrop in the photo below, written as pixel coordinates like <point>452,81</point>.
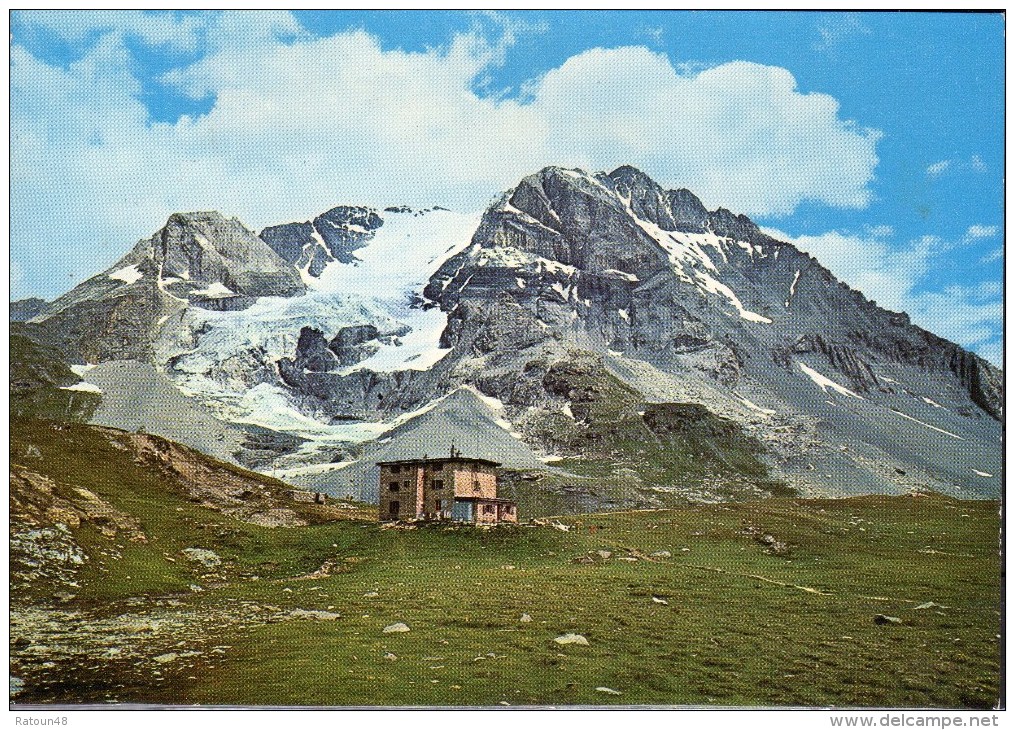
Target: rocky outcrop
<point>199,260</point>
<point>37,501</point>
<point>202,250</point>
<point>615,262</point>
<point>331,236</point>
<point>350,345</point>
<point>23,310</point>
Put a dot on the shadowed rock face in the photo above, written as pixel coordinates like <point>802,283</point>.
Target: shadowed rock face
<point>331,236</point>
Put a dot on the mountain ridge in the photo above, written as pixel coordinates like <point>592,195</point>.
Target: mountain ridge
<point>682,304</point>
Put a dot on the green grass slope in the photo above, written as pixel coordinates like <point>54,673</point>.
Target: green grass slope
<point>761,603</point>
<point>37,374</point>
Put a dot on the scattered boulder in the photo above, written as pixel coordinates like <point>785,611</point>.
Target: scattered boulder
<point>604,554</point>
<point>207,558</point>
<point>371,594</point>
<point>772,545</point>
<point>526,618</point>
<point>657,599</point>
<point>398,628</point>
<point>314,615</point>
<point>660,554</point>
<point>572,639</point>
<point>327,568</point>
<point>608,690</point>
<point>883,620</point>
<point>928,604</point>
<point>166,658</point>
<point>271,518</point>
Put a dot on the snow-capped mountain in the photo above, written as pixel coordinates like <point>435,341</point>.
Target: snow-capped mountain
<point>196,261</point>
<point>616,326</point>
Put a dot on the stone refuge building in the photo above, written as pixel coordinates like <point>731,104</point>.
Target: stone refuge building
<point>456,488</point>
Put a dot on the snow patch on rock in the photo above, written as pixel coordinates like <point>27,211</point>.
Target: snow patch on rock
<point>825,383</point>
<point>215,290</point>
<point>83,388</point>
<point>923,423</point>
<point>128,274</point>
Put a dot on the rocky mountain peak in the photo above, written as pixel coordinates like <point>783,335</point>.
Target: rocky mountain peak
<point>738,226</point>
<point>617,262</point>
<point>331,236</point>
<point>632,183</point>
<point>689,213</point>
<point>210,255</point>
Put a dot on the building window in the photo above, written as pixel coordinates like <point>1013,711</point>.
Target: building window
<point>393,487</point>
<point>476,485</point>
<point>437,506</point>
<point>438,484</point>
<point>406,483</point>
<point>395,468</point>
<point>488,509</point>
<point>509,509</point>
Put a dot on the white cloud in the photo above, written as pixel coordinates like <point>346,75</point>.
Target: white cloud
<point>740,135</point>
<point>892,275</point>
<point>302,123</point>
<point>978,231</point>
<point>973,164</point>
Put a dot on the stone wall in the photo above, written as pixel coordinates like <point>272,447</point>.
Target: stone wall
<point>475,480</point>
<point>409,481</point>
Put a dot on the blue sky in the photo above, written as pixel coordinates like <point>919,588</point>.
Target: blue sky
<point>872,140</point>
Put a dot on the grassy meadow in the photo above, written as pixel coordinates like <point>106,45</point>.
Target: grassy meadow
<point>721,621</point>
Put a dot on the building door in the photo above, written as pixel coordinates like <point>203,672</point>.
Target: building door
<point>461,511</point>
<point>393,509</point>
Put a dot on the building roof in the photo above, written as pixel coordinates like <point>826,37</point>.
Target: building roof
<point>439,460</point>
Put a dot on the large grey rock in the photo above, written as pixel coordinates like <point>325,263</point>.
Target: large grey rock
<point>331,236</point>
